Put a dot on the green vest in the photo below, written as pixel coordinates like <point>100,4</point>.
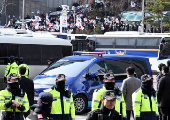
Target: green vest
<point>141,103</point>
<point>11,68</point>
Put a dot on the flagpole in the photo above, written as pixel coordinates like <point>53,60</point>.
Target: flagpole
<point>23,14</point>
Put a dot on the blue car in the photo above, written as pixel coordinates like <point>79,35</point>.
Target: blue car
<point>84,74</point>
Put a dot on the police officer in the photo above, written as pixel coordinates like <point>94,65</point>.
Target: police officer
<point>109,84</point>
<point>22,63</point>
<point>13,100</point>
<point>42,112</point>
<point>11,67</point>
<point>107,111</point>
<point>50,62</point>
<point>63,105</point>
<point>144,100</point>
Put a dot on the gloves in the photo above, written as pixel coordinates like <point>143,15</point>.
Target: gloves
<point>5,80</point>
<point>157,117</point>
<point>68,93</point>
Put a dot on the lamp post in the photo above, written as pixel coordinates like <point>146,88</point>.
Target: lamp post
<point>23,14</point>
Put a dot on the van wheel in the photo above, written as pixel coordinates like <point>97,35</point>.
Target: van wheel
<point>80,103</point>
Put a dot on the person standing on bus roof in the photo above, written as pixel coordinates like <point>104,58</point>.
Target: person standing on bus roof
<point>11,67</point>
<point>22,63</point>
<point>50,62</point>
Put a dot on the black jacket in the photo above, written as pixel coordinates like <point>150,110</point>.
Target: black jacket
<point>164,91</point>
<point>28,86</point>
<point>39,114</point>
<point>159,75</point>
<point>107,114</point>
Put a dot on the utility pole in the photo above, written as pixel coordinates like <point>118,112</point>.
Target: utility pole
<point>23,14</point>
<point>142,24</point>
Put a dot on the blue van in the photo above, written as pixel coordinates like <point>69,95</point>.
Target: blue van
<point>80,73</point>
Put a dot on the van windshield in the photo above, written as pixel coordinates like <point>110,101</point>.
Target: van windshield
<point>71,68</point>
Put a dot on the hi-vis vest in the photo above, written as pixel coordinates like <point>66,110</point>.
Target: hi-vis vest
<point>143,106</point>
<point>6,96</point>
<point>56,105</point>
<point>97,96</point>
<point>11,68</point>
<point>27,69</point>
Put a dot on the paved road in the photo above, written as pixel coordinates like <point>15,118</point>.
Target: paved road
<point>83,117</point>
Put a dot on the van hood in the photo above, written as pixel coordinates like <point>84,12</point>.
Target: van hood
<point>42,82</point>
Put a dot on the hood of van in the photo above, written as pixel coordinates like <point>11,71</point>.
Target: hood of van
<point>45,82</point>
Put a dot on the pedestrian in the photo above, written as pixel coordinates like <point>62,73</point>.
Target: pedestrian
<point>168,64</point>
<point>159,75</point>
<point>163,93</point>
<point>22,63</point>
<point>109,84</point>
<point>144,100</point>
<point>11,67</point>
<point>42,112</point>
<point>50,62</point>
<point>107,111</point>
<point>28,86</point>
<point>13,100</point>
<point>63,105</point>
<point>129,86</point>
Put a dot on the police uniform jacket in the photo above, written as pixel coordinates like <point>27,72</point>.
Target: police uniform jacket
<point>145,107</point>
<point>63,105</point>
<point>107,115</point>
<point>6,103</point>
<point>11,68</point>
<point>120,103</point>
<point>39,114</point>
<point>27,69</point>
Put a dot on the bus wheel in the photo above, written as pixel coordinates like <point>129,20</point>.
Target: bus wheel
<point>80,103</point>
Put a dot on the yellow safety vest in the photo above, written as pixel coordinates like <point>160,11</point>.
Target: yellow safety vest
<point>6,96</point>
<point>56,105</point>
<point>97,96</point>
<point>11,68</point>
<point>142,104</point>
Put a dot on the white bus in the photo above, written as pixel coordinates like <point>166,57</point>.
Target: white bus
<point>35,51</point>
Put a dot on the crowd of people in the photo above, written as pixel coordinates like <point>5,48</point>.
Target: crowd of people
<point>137,98</point>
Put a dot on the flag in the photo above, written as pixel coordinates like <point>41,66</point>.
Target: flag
<point>132,4</point>
<point>97,17</point>
<point>47,19</point>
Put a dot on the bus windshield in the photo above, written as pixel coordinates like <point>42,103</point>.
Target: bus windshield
<point>164,49</point>
<point>71,68</point>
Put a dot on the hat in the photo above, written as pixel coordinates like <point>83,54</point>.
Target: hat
<point>109,76</point>
<point>12,57</point>
<point>109,94</point>
<point>60,77</point>
<point>50,59</point>
<point>145,77</point>
<point>12,76</point>
<point>21,58</point>
<point>45,98</point>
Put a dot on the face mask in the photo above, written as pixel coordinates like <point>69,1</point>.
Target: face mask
<point>109,85</point>
<point>13,87</point>
<point>147,84</point>
<point>61,85</point>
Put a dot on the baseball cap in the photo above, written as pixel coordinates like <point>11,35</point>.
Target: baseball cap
<point>145,77</point>
<point>45,98</point>
<point>61,77</point>
<point>12,57</point>
<point>21,58</point>
<point>109,76</point>
<point>12,76</point>
<point>109,94</point>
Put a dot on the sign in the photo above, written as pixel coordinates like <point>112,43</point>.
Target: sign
<point>64,21</point>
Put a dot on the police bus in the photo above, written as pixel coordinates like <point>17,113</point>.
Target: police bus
<point>140,45</point>
<point>35,51</point>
